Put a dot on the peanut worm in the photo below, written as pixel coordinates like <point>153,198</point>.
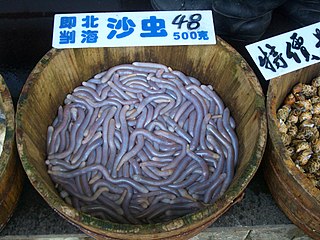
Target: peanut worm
<point>142,139</point>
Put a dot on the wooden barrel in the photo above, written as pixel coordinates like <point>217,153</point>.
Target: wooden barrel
<point>11,174</point>
<point>295,194</point>
<point>60,71</point>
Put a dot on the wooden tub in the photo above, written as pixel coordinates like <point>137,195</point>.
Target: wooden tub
<point>291,189</point>
<point>11,174</point>
<point>60,71</point>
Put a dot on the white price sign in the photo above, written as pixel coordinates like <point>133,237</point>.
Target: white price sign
<point>287,52</point>
<point>83,30</point>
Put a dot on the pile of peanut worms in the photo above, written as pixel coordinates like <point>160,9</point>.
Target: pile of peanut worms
<point>142,143</point>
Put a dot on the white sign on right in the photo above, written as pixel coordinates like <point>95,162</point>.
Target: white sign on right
<point>287,52</point>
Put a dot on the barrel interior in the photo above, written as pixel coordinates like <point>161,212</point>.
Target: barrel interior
<point>60,71</point>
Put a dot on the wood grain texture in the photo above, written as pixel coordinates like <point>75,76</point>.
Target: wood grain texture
<point>11,175</point>
<point>291,189</point>
<point>60,71</point>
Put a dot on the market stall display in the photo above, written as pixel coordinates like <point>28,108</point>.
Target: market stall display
<point>61,71</point>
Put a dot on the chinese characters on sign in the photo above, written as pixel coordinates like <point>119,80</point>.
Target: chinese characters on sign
<point>89,35</point>
<point>69,35</point>
<point>125,27</point>
<point>153,27</point>
<point>287,52</point>
<point>133,29</point>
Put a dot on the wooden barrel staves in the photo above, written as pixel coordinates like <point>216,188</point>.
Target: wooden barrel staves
<point>11,174</point>
<point>60,71</point>
<point>292,190</point>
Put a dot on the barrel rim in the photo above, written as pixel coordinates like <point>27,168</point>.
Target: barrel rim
<point>11,173</point>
